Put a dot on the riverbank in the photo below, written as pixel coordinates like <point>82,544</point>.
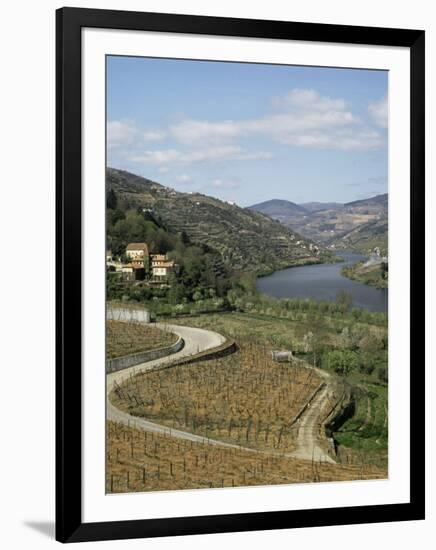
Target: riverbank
<point>302,263</point>
<point>375,275</point>
<point>324,282</point>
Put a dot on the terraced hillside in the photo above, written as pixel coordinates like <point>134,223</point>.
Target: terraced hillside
<point>365,238</point>
<point>360,225</point>
<point>246,240</point>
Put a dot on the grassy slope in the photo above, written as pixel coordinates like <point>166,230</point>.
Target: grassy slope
<point>366,433</point>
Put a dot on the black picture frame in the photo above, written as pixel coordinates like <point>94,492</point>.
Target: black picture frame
<point>69,23</point>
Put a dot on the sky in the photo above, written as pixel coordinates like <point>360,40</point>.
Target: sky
<point>247,133</point>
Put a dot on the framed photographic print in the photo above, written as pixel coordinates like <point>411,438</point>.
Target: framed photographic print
<point>240,281</point>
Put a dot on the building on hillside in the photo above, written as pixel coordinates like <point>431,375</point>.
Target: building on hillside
<point>161,266</point>
<point>132,272</point>
<point>137,251</point>
<point>113,264</point>
<point>141,262</point>
<point>138,255</point>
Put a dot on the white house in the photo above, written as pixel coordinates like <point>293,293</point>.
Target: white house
<point>137,251</point>
<point>161,267</point>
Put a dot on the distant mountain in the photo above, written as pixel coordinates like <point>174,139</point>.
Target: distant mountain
<point>245,239</point>
<point>364,238</point>
<point>378,202</point>
<point>277,208</point>
<point>368,229</point>
<point>360,224</point>
<point>318,206</point>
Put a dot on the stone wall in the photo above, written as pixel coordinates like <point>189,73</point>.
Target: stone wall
<point>137,358</point>
<point>126,314</point>
<point>227,348</point>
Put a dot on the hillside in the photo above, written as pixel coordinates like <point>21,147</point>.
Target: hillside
<point>246,240</point>
<point>365,238</point>
<point>378,203</point>
<point>318,206</point>
<point>278,209</point>
<point>361,225</point>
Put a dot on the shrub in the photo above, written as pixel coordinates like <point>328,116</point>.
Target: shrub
<point>341,361</point>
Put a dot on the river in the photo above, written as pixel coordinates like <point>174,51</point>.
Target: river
<point>323,282</point>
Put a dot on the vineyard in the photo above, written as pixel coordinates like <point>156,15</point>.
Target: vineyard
<point>248,400</point>
<point>127,338</point>
<point>138,460</point>
<point>245,398</point>
<point>367,431</point>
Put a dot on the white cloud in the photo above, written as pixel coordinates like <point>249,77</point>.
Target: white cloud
<point>124,133</point>
<point>309,99</point>
<point>378,111</point>
<point>277,126</point>
<point>154,135</point>
<point>121,133</point>
<point>302,118</point>
<point>192,131</point>
<point>355,139</point>
<point>305,119</point>
<point>213,154</point>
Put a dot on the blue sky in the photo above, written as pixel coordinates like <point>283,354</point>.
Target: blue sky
<point>247,132</point>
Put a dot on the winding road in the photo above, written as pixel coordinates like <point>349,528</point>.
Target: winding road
<point>308,447</point>
<point>199,340</point>
<point>196,340</point>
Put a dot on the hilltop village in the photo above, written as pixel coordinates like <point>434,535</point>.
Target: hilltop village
<point>137,264</point>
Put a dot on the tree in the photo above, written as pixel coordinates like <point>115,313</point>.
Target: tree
<point>147,265</point>
<point>371,343</point>
<point>341,361</point>
<point>382,374</point>
<point>366,364</point>
<point>176,293</point>
<point>111,200</point>
<point>197,295</point>
<point>344,300</point>
<point>184,238</point>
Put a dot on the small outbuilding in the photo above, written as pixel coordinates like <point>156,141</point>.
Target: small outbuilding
<point>282,356</point>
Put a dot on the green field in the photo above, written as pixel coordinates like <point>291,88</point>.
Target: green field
<point>367,431</point>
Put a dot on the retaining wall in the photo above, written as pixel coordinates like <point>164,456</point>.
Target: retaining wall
<point>126,361</point>
<point>128,314</point>
<point>228,347</point>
